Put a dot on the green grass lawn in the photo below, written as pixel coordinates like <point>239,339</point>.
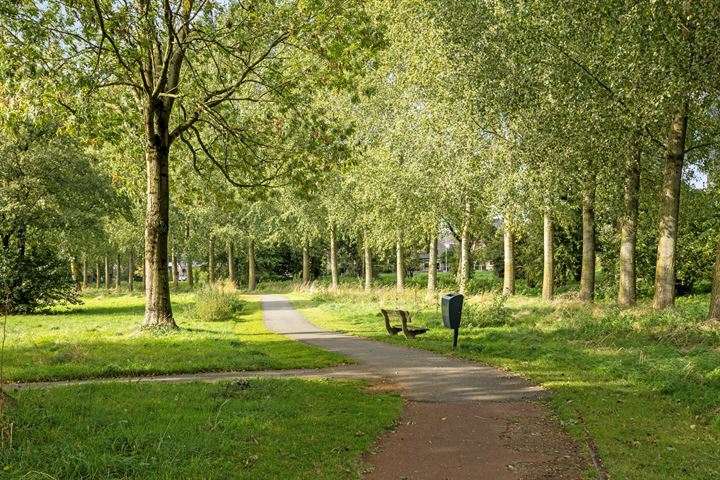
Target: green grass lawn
<point>103,337</point>
<point>646,384</point>
<point>250,429</point>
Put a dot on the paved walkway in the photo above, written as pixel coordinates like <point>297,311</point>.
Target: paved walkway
<point>423,376</point>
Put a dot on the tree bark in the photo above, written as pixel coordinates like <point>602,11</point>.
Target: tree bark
<point>714,313</point>
<point>509,261</point>
<point>669,212</point>
<point>158,309</point>
<point>306,265</point>
<point>84,274</point>
<point>211,261</point>
<point>74,270</point>
<point>188,258</point>
<point>432,264</point>
<point>465,251</point>
<point>107,273</point>
<point>97,275</point>
<point>175,275</point>
<point>367,251</point>
<point>627,291</point>
<point>547,288</point>
<point>251,265</point>
<point>400,267</point>
<point>191,280</point>
<point>131,271</point>
<point>333,260</point>
<point>117,274</point>
<point>231,263</point>
<point>587,272</point>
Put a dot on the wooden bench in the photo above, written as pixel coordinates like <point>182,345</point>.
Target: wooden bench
<point>405,318</point>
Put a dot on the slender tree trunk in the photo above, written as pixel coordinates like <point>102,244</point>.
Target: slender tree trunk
<point>251,265</point>
<point>131,271</point>
<point>231,263</point>
<point>74,270</point>
<point>432,264</point>
<point>107,273</point>
<point>669,212</point>
<point>715,296</point>
<point>587,272</point>
<point>158,309</point>
<point>97,275</point>
<point>547,288</point>
<point>174,270</point>
<point>367,254</point>
<point>509,261</point>
<point>465,251</point>
<point>117,274</point>
<point>333,260</point>
<point>211,261</point>
<point>191,280</point>
<point>627,291</point>
<point>306,265</point>
<point>84,274</point>
<point>400,267</point>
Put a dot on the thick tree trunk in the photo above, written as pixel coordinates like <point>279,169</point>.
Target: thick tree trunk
<point>211,261</point>
<point>84,274</point>
<point>191,280</point>
<point>131,271</point>
<point>231,263</point>
<point>400,266</point>
<point>627,291</point>
<point>251,265</point>
<point>118,273</point>
<point>158,309</point>
<point>432,264</point>
<point>107,273</point>
<point>175,275</point>
<point>74,270</point>
<point>587,272</point>
<point>547,288</point>
<point>715,296</point>
<point>509,261</point>
<point>367,254</point>
<point>669,212</point>
<point>333,260</point>
<point>465,251</point>
<point>97,275</point>
<point>306,265</point>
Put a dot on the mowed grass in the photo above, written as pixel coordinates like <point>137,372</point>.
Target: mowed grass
<point>103,338</point>
<point>250,429</point>
<point>646,385</point>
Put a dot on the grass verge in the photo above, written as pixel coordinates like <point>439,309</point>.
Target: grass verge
<point>645,384</point>
<point>103,338</point>
<point>259,428</point>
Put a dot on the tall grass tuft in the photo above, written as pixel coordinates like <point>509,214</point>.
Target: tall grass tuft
<point>217,303</point>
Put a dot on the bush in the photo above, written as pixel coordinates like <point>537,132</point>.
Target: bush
<point>486,315</point>
<point>217,303</point>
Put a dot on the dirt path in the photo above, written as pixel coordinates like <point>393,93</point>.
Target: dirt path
<point>463,420</point>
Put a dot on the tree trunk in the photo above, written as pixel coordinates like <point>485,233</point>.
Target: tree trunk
<point>74,270</point>
<point>191,280</point>
<point>211,261</point>
<point>306,265</point>
<point>333,260</point>
<point>131,271</point>
<point>669,212</point>
<point>368,267</point>
<point>627,291</point>
<point>117,274</point>
<point>84,274</point>
<point>107,273</point>
<point>231,263</point>
<point>251,265</point>
<point>400,271</point>
<point>432,264</point>
<point>509,261</point>
<point>465,251</point>
<point>175,275</point>
<point>158,309</point>
<point>715,296</point>
<point>547,288</point>
<point>97,275</point>
<point>587,272</point>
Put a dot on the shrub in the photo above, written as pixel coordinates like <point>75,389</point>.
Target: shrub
<point>213,304</point>
<point>490,314</point>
